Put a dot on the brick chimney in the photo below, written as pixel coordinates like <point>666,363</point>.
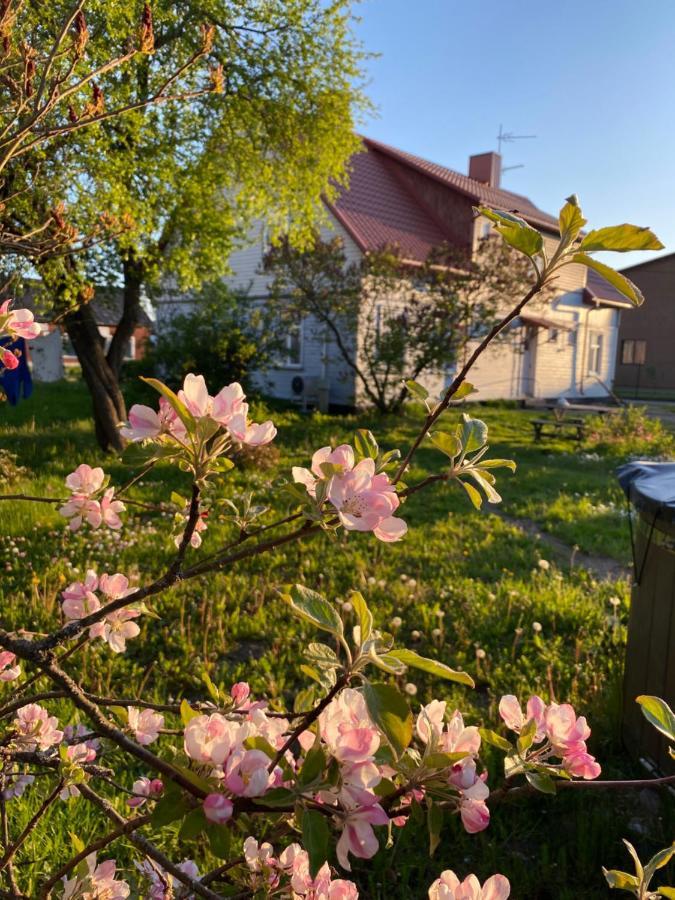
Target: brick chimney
<point>486,167</point>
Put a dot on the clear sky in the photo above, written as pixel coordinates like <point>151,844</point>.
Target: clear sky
<point>594,80</point>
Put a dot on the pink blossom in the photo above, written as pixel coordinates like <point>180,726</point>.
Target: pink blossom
<point>365,502</point>
<point>449,887</point>
<point>358,837</point>
<point>430,720</point>
<point>246,773</point>
<point>565,731</point>
<point>581,764</point>
<point>473,809</point>
<point>115,586</point>
<point>144,424</point>
<point>218,808</point>
<point>145,723</point>
<point>258,856</point>
<point>36,728</point>
<point>8,671</point>
<point>100,882</point>
<point>111,508</point>
<point>78,754</point>
<point>227,403</point>
<point>455,737</point>
<point>196,396</point>
<point>85,480</point>
<point>240,693</point>
<point>512,714</point>
<point>9,360</point>
<point>144,789</point>
<point>79,508</point>
<point>116,629</point>
<point>342,456</point>
<point>20,322</point>
<point>164,886</point>
<point>211,739</point>
<point>295,861</point>
<point>250,433</point>
<point>347,729</point>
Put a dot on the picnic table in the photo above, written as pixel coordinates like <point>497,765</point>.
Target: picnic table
<point>576,426</point>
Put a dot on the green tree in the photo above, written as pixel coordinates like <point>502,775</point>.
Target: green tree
<point>183,182</point>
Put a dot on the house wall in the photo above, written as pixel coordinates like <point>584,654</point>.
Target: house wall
<point>653,322</point>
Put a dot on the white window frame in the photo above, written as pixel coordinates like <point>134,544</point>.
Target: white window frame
<point>285,361</point>
<point>596,348</point>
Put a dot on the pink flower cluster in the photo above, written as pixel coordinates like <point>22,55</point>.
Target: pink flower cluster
<point>364,500</point>
<point>557,725</point>
<point>270,872</point>
<point>145,789</point>
<point>35,728</point>
<point>8,671</point>
<point>145,724</point>
<point>228,409</point>
<point>164,886</point>
<point>117,627</point>
<point>449,887</point>
<point>81,506</point>
<point>78,755</point>
<point>100,881</point>
<point>456,737</point>
<point>18,323</point>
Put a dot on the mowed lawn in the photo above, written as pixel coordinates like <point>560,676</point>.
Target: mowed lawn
<point>466,586</point>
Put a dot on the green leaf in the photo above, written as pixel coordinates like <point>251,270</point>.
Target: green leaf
<point>515,231</point>
<point>322,655</point>
<point>526,736</point>
<point>77,843</point>
<point>193,825</point>
<point>214,693</point>
<point>187,712</point>
<point>432,666</point>
<point>312,607</point>
<point>541,781</point>
<point>387,663</point>
<point>497,464</point>
<point>666,892</point>
<point>434,825</point>
<point>170,806</point>
<point>621,239</point>
<point>571,219</point>
<point>444,760</point>
<point>258,742</point>
<point>621,880</point>
<point>276,797</point>
<point>315,839</point>
<point>496,740</point>
<point>472,433</point>
<point>474,494</point>
<point>313,766</point>
<point>418,391</point>
<point>220,840</point>
<point>363,614</point>
<point>177,405</point>
<point>446,443</point>
<point>659,714</point>
<point>464,390</point>
<point>492,495</point>
<point>625,287</point>
<point>390,712</point>
<point>660,859</point>
<point>365,444</point>
<point>137,455</point>
<point>198,781</point>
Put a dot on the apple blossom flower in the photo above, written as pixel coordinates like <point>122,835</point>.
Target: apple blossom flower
<point>114,586</point>
<point>85,480</point>
<point>164,886</point>
<point>246,773</point>
<point>228,403</point>
<point>79,598</point>
<point>8,359</point>
<point>144,424</point>
<point>145,723</point>
<point>36,728</point>
<point>218,808</point>
<point>144,789</point>
<point>8,671</point>
<point>78,754</point>
<point>258,856</point>
<point>117,628</point>
<point>581,764</point>
<point>473,793</point>
<point>99,882</point>
<point>357,837</point>
<point>18,322</point>
<point>564,730</point>
<point>211,739</point>
<point>240,692</point>
<point>365,502</point>
<point>449,887</point>
<point>342,456</point>
<point>250,433</point>
<point>347,729</point>
<point>512,714</point>
<point>111,508</point>
<point>295,861</point>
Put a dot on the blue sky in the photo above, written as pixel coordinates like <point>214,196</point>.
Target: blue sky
<point>594,80</point>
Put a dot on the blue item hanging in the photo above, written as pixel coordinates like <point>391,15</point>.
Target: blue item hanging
<point>16,382</point>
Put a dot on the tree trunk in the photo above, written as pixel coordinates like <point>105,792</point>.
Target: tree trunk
<point>108,402</point>
<point>133,282</point>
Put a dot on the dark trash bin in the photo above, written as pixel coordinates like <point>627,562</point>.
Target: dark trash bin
<point>650,654</point>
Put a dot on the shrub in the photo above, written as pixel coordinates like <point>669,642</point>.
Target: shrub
<point>630,432</point>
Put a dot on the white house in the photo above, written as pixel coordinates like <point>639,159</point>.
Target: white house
<point>567,348</point>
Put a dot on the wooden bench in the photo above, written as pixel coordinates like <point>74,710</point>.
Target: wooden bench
<point>577,426</point>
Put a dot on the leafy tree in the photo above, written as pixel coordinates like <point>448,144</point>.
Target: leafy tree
<point>390,319</point>
<point>185,180</point>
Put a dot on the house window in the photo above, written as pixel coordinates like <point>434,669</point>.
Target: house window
<point>633,353</point>
<point>595,342</point>
<point>291,353</point>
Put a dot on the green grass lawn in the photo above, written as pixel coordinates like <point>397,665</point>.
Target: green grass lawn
<point>466,585</point>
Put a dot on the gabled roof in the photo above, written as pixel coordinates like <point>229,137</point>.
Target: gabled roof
<point>599,290</point>
<point>380,209</point>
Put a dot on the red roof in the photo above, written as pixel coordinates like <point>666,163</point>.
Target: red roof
<point>377,209</point>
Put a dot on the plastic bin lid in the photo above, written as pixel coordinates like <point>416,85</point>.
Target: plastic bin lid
<point>650,486</point>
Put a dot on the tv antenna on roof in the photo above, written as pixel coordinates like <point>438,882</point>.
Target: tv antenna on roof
<point>506,137</point>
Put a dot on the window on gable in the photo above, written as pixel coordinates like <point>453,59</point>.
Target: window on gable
<point>595,347</point>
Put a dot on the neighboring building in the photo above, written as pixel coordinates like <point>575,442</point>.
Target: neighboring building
<point>566,348</point>
<point>645,362</point>
<point>51,353</point>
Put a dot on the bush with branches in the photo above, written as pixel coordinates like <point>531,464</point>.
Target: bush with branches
<point>282,800</point>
